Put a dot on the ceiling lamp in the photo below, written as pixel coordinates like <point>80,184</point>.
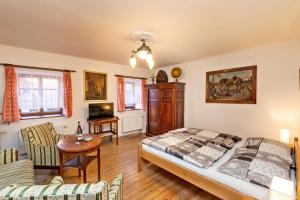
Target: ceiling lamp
<point>143,52</point>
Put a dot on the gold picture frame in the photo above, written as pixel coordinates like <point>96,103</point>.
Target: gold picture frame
<point>235,85</point>
<point>95,86</point>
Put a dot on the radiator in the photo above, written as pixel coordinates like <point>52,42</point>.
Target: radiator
<point>132,123</point>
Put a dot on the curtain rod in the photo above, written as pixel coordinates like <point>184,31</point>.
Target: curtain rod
<point>135,77</point>
<point>38,68</point>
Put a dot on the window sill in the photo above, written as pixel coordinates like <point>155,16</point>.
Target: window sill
<point>41,117</point>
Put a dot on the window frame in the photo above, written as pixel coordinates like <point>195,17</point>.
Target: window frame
<point>40,113</point>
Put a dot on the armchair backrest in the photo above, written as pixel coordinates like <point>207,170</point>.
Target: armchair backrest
<point>8,156</point>
<point>42,134</point>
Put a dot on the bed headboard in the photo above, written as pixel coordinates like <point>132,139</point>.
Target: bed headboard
<point>297,158</point>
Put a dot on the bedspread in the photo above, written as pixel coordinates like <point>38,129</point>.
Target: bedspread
<point>197,146</point>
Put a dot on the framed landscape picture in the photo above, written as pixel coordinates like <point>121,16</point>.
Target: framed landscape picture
<point>235,85</point>
<point>95,86</point>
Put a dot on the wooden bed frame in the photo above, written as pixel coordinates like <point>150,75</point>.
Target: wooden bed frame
<point>203,182</point>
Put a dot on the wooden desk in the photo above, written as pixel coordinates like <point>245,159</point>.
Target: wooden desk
<point>68,147</point>
<point>96,126</point>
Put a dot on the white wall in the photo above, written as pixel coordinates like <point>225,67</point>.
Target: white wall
<point>80,108</point>
<point>278,93</point>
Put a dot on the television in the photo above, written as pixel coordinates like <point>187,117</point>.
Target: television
<point>101,110</point>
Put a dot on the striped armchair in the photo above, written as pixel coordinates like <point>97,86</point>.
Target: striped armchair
<point>40,143</point>
<point>59,191</point>
<point>14,172</point>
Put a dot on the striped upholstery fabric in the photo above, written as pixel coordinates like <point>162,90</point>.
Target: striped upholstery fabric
<point>115,190</point>
<point>18,173</point>
<point>8,156</point>
<point>86,191</point>
<point>40,144</point>
<point>57,180</point>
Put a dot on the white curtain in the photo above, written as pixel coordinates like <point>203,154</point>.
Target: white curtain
<point>39,89</point>
<point>133,93</point>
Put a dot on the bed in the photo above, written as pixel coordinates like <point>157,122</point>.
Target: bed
<point>210,180</point>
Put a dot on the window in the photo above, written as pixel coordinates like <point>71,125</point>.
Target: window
<point>133,93</point>
<point>40,93</point>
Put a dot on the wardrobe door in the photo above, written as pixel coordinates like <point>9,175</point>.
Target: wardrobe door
<point>166,110</point>
<point>153,112</point>
<point>179,107</point>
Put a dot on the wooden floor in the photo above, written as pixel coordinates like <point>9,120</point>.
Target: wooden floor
<point>152,183</point>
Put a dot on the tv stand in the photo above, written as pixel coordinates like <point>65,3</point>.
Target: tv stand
<point>96,126</point>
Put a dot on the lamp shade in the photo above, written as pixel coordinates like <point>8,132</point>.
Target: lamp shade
<point>132,61</point>
<point>149,57</point>
<point>281,189</point>
<point>150,63</point>
<point>284,135</point>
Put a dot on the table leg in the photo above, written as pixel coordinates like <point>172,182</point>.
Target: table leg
<point>117,133</point>
<point>84,167</point>
<point>98,163</point>
<point>61,164</point>
<point>79,170</point>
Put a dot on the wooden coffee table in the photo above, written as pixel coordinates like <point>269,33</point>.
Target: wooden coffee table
<point>68,147</point>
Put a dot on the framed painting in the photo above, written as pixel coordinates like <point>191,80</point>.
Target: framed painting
<point>235,85</point>
<point>95,86</point>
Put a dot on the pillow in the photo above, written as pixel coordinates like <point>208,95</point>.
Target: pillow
<point>258,160</point>
<point>276,148</point>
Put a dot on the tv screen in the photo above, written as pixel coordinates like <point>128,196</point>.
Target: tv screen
<point>101,110</point>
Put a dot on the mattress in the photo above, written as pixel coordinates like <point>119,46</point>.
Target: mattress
<point>239,185</point>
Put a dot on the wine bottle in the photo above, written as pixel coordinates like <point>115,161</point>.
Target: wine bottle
<point>79,129</point>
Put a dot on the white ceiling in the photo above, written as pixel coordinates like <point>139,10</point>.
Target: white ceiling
<point>185,30</point>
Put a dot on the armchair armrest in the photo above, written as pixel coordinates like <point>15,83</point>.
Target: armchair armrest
<point>8,156</point>
<point>115,190</point>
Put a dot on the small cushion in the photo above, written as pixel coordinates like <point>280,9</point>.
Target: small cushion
<point>57,180</point>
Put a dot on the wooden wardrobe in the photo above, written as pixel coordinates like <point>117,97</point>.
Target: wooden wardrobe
<point>165,107</point>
